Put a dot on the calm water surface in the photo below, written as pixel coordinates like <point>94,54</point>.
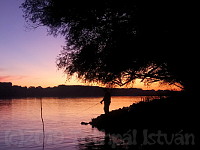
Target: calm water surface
<point>21,126</point>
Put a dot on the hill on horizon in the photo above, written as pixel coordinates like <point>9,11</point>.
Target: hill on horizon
<point>9,90</point>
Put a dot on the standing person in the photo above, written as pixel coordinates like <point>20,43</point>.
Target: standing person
<point>107,101</point>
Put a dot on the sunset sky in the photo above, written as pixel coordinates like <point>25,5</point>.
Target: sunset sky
<point>27,56</point>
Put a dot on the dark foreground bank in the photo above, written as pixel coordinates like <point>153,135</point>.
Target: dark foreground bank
<point>166,123</point>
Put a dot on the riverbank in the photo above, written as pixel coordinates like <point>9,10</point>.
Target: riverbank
<point>174,116</point>
<point>7,90</point>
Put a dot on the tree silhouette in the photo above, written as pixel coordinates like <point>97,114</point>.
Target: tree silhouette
<point>116,42</point>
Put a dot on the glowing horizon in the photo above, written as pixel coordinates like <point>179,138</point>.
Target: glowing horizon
<point>25,82</point>
<point>28,56</point>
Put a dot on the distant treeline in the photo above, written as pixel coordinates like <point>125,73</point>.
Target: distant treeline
<point>7,90</point>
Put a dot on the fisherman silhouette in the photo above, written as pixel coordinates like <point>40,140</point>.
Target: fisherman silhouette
<point>107,101</point>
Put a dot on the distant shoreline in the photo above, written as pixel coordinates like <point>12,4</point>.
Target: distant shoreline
<point>7,90</point>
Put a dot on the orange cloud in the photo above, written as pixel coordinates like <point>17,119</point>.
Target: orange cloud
<point>11,78</point>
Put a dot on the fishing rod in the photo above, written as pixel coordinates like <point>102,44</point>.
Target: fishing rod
<point>86,123</point>
<point>90,107</point>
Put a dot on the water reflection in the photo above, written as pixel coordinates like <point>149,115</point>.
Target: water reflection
<point>21,126</point>
<point>5,102</point>
<point>108,142</point>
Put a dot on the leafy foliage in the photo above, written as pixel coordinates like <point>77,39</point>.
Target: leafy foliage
<point>116,42</point>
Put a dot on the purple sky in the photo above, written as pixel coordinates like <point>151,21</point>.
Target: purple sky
<point>27,57</point>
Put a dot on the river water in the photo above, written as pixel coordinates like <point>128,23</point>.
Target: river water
<point>21,126</point>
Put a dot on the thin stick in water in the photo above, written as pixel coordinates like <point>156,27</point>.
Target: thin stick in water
<point>42,122</point>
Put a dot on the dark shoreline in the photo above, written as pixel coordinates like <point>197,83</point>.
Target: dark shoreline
<point>174,115</point>
<point>7,90</point>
